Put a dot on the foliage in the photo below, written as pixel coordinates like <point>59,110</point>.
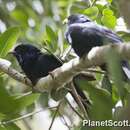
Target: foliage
<point>39,22</point>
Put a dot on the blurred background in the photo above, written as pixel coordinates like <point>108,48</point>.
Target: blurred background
<point>40,22</point>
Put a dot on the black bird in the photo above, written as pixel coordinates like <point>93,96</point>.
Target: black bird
<point>83,34</point>
<point>36,64</point>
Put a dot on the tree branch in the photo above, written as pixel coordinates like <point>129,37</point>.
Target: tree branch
<point>67,71</point>
<point>14,74</point>
<point>64,74</point>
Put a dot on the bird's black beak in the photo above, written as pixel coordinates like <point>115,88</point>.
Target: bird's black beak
<point>65,21</point>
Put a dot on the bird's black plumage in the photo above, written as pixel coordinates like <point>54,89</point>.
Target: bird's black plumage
<point>84,34</point>
<point>36,64</point>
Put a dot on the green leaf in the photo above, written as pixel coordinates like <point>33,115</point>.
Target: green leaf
<point>52,39</point>
<point>109,21</point>
<point>115,95</point>
<point>91,12</point>
<point>2,116</point>
<point>25,101</point>
<point>107,12</point>
<point>43,99</point>
<point>101,108</point>
<point>108,18</point>
<point>51,34</point>
<point>117,75</point>
<point>110,1</point>
<point>8,39</point>
<point>125,35</point>
<point>3,128</point>
<point>7,103</point>
<point>10,106</point>
<point>77,7</point>
<point>20,16</point>
<point>11,126</point>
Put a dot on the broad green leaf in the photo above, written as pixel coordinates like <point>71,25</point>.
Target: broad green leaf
<point>8,39</point>
<point>10,105</point>
<point>11,126</point>
<point>51,34</point>
<point>52,39</point>
<point>20,16</point>
<point>107,12</point>
<point>109,21</point>
<point>115,95</point>
<point>125,35</point>
<point>117,74</point>
<point>25,101</point>
<point>62,3</point>
<point>101,108</point>
<point>91,12</point>
<point>2,116</point>
<point>100,7</point>
<point>43,99</point>
<point>7,103</point>
<point>110,1</point>
<point>108,18</point>
<point>3,128</point>
<point>77,7</point>
<point>115,8</point>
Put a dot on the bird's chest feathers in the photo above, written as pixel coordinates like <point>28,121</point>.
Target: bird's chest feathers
<point>28,62</point>
<point>87,38</point>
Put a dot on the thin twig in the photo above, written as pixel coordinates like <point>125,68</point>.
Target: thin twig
<point>78,100</point>
<point>27,124</point>
<point>74,109</point>
<point>24,94</point>
<point>96,71</point>
<point>24,116</point>
<point>66,53</point>
<point>93,3</point>
<point>53,119</point>
<point>64,121</point>
<point>53,54</point>
<point>90,3</point>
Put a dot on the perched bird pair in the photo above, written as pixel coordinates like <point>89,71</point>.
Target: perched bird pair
<point>82,34</point>
<point>36,64</point>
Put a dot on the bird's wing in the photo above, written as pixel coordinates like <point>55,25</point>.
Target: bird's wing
<point>111,36</point>
<point>91,28</point>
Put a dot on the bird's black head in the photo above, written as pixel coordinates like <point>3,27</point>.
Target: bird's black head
<point>78,18</point>
<point>25,52</point>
